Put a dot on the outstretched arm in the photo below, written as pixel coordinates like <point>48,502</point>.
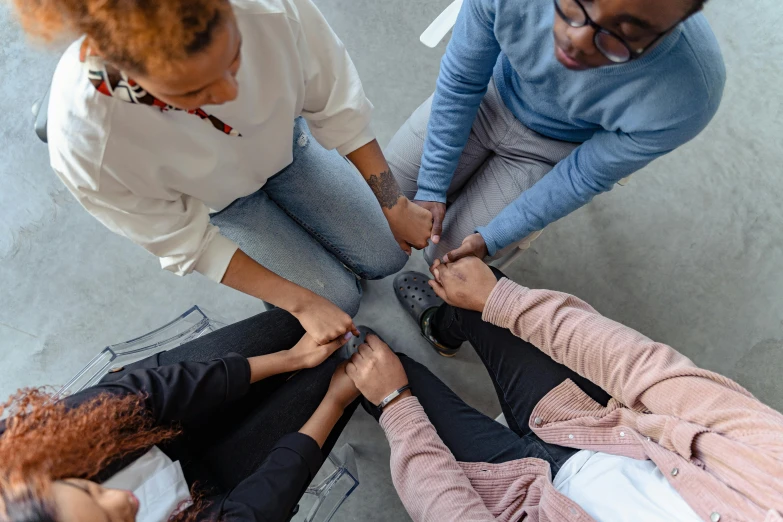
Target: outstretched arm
<point>322,319</point>
<point>191,392</point>
<point>712,417</point>
<point>430,482</point>
<point>410,224</point>
<point>272,492</point>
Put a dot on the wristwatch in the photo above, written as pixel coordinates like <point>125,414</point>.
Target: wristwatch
<point>393,395</point>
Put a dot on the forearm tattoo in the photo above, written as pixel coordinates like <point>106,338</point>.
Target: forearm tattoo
<point>385,188</point>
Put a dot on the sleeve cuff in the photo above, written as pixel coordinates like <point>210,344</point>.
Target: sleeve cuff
<point>304,446</point>
<point>214,260</point>
<point>238,373</point>
<point>501,300</point>
<point>395,417</point>
<point>362,139</point>
<point>492,245</point>
<point>430,195</point>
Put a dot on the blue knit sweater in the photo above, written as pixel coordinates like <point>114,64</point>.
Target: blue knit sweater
<point>624,116</point>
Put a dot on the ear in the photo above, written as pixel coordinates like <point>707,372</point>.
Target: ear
<point>91,47</point>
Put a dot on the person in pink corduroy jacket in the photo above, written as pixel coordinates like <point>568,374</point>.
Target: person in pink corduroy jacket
<point>604,423</point>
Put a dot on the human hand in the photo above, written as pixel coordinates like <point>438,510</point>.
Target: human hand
<point>308,354</point>
<point>340,394</point>
<point>410,224</point>
<point>473,245</point>
<point>466,283</point>
<point>438,211</point>
<point>322,319</point>
<point>342,390</point>
<point>376,370</point>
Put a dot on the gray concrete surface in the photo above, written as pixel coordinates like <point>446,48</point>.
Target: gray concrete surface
<point>688,253</point>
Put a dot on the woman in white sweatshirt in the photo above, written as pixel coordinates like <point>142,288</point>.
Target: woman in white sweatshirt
<point>205,131</point>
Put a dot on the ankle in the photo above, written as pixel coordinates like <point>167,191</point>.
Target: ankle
<point>430,331</point>
<point>426,318</point>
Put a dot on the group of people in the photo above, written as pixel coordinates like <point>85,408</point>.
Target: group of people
<point>215,133</point>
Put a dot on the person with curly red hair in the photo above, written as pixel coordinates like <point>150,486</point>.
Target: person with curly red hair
<point>187,126</point>
<point>231,426</point>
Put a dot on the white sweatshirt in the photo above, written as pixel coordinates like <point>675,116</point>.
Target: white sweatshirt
<point>154,177</point>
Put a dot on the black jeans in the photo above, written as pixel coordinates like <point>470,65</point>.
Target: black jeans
<point>522,375</point>
<point>235,443</point>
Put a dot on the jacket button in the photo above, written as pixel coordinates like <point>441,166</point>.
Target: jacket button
<point>675,471</point>
<point>715,517</point>
<point>570,436</point>
<point>622,434</point>
<point>537,421</point>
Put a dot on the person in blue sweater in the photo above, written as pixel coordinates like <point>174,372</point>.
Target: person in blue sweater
<point>541,105</point>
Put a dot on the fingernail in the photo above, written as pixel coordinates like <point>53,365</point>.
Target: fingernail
<point>435,238</point>
<point>348,336</point>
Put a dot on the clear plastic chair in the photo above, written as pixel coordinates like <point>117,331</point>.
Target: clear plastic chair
<point>336,480</point>
<point>333,484</point>
<point>191,325</point>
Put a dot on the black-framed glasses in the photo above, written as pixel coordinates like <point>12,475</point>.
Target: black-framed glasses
<point>611,45</point>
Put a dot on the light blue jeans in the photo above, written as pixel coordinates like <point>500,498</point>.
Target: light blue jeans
<point>317,224</point>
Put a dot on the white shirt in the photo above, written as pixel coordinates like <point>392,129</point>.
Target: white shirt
<point>154,177</point>
<point>157,482</point>
<point>611,488</point>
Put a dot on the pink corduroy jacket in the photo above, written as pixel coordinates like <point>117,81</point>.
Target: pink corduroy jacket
<point>725,445</point>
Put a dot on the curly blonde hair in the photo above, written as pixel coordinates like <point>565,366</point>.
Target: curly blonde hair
<point>134,35</point>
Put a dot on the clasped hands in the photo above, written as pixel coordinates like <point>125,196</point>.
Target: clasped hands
<point>375,371</point>
<point>473,245</point>
<point>412,227</point>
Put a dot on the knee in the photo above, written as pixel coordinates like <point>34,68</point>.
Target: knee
<point>346,294</point>
<point>388,261</point>
<point>348,301</point>
<point>408,364</point>
<point>405,173</point>
<point>429,255</point>
<point>396,262</point>
<point>418,374</point>
<point>433,252</point>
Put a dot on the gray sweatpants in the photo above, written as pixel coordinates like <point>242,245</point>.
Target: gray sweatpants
<point>501,159</point>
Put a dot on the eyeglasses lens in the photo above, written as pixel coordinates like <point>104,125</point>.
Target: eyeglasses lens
<point>572,12</point>
<point>612,48</point>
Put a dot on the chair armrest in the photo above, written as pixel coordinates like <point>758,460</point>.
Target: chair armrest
<point>41,114</point>
<point>438,29</point>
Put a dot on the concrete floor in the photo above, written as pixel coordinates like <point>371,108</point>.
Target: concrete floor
<point>689,253</point>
